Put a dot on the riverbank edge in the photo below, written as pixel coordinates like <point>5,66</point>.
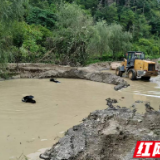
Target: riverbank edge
<point>93,72</point>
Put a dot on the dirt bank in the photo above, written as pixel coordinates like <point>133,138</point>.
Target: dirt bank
<point>91,72</point>
<point>107,134</point>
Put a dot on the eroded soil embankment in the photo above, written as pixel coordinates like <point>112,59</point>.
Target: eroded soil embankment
<point>107,134</point>
<point>92,72</point>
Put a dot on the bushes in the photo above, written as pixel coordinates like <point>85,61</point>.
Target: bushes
<point>108,13</point>
<point>99,41</point>
<point>71,35</point>
<point>67,33</point>
<point>44,17</point>
<point>28,41</point>
<point>149,46</point>
<point>10,10</point>
<point>109,39</point>
<point>76,37</point>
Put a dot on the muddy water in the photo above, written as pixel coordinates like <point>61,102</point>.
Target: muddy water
<point>26,128</point>
<point>146,91</point>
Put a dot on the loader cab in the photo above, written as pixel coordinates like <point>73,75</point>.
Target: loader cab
<point>132,56</point>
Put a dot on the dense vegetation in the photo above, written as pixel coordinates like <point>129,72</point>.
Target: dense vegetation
<point>77,31</point>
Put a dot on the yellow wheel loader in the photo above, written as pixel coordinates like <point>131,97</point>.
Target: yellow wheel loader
<point>137,67</point>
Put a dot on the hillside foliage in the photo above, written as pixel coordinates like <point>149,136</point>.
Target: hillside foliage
<point>77,32</point>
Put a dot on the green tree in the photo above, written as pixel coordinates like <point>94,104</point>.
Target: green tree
<point>141,28</point>
<point>72,34</point>
<point>109,39</point>
<point>44,17</point>
<point>108,13</point>
<point>119,41</point>
<point>99,42</point>
<point>88,4</point>
<point>10,10</point>
<point>127,19</point>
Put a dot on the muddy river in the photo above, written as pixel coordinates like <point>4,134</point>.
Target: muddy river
<point>27,129</point>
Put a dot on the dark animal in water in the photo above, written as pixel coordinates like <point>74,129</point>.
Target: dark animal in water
<point>53,80</point>
<point>28,99</point>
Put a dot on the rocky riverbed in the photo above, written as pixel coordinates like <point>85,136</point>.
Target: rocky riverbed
<point>92,72</point>
<point>109,134</point>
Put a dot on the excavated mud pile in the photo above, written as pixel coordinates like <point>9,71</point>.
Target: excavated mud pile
<point>91,72</point>
<point>109,134</point>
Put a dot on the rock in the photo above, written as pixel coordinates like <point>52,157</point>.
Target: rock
<point>115,65</point>
<point>45,155</point>
<point>16,77</point>
<point>114,101</point>
<point>120,86</point>
<point>106,135</point>
<point>2,79</point>
<point>133,105</point>
<point>138,101</point>
<point>149,108</point>
<point>139,120</point>
<point>100,65</point>
<point>110,101</point>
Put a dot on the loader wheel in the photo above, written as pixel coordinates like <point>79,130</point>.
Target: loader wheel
<point>118,72</point>
<point>131,74</point>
